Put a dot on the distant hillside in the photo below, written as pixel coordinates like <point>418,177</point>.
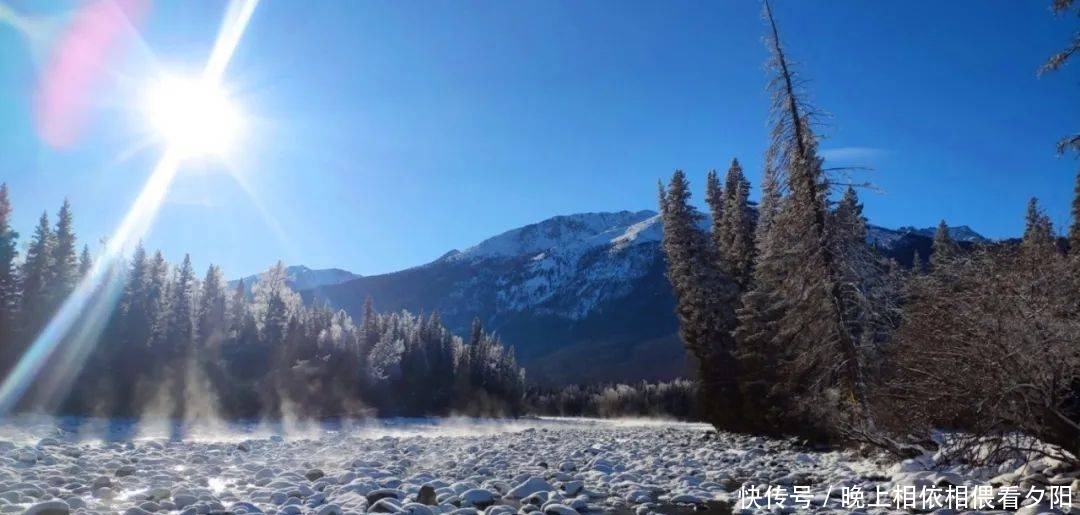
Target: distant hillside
<point>303,278</point>
<point>582,298</point>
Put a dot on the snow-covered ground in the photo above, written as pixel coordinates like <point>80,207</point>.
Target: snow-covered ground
<point>422,467</point>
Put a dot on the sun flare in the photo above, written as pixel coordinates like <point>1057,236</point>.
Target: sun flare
<point>194,117</point>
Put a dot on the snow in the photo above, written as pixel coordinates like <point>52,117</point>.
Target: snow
<point>567,265</point>
<point>557,233</point>
<point>498,467</point>
<point>300,277</point>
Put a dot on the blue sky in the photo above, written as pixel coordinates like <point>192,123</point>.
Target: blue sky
<point>385,133</point>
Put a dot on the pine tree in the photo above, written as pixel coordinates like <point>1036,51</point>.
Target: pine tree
<point>85,261</point>
<point>212,314</point>
<point>1038,244</point>
<point>36,277</point>
<point>737,227</point>
<point>156,300</point>
<point>9,283</point>
<point>1074,229</point>
<point>64,263</point>
<point>800,298</point>
<point>237,309</point>
<point>944,248</point>
<point>769,205</point>
<point>705,302</point>
<point>274,304</point>
<point>758,345</point>
<point>180,324</point>
<point>716,200</point>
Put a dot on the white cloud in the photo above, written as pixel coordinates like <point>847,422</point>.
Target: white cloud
<point>854,155</point>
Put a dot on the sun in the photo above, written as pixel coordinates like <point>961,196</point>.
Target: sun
<point>193,116</point>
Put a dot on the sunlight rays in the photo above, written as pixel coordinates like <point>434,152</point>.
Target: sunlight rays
<point>83,314</point>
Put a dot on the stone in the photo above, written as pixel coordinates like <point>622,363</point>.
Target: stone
<point>53,507</point>
<point>528,487</point>
<point>477,497</point>
<point>427,496</point>
<point>183,500</point>
<point>559,509</point>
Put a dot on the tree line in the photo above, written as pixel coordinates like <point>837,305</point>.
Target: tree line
<point>175,345</point>
<point>799,327</point>
<point>666,399</point>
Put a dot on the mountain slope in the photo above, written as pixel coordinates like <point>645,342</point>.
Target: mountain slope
<point>582,298</point>
<point>303,278</point>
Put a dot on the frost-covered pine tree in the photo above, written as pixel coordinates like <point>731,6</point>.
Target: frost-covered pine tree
<point>85,261</point>
<point>705,302</point>
<point>758,347</point>
<point>180,318</point>
<point>64,263</point>
<point>737,227</point>
<point>274,304</point>
<point>212,313</point>
<point>1074,228</point>
<point>36,277</point>
<point>9,282</point>
<point>715,199</point>
<point>818,376</point>
<point>156,299</point>
<point>945,249</point>
<point>1038,244</point>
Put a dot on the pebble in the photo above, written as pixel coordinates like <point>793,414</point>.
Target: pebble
<point>558,467</point>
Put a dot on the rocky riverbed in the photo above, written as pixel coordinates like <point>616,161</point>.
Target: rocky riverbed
<point>435,467</point>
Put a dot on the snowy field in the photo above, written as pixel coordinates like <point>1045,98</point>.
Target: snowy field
<point>424,467</point>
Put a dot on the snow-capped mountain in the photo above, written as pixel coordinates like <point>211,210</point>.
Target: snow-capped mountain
<point>303,278</point>
<point>567,265</point>
<point>958,233</point>
<point>581,297</point>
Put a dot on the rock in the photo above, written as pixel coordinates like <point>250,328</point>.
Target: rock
<point>328,509</point>
<point>573,487</point>
<point>1036,509</point>
<point>244,507</point>
<point>687,499</point>
<point>559,509</point>
<point>528,487</point>
<point>27,456</point>
<point>386,505</point>
<point>125,470</point>
<point>53,507</point>
<point>384,493</point>
<point>314,474</point>
<point>427,496</point>
<point>135,510</point>
<point>477,497</point>
<point>183,500</point>
<point>413,508</point>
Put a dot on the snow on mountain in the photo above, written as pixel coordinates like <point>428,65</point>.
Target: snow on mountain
<point>300,277</point>
<point>567,265</point>
<point>888,238</point>
<point>561,232</point>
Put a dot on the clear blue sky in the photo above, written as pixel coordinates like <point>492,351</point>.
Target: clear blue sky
<point>386,133</point>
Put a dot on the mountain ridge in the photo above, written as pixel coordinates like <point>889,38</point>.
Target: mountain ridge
<point>582,297</point>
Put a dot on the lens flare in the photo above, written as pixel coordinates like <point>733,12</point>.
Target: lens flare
<point>78,322</point>
<point>193,116</point>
